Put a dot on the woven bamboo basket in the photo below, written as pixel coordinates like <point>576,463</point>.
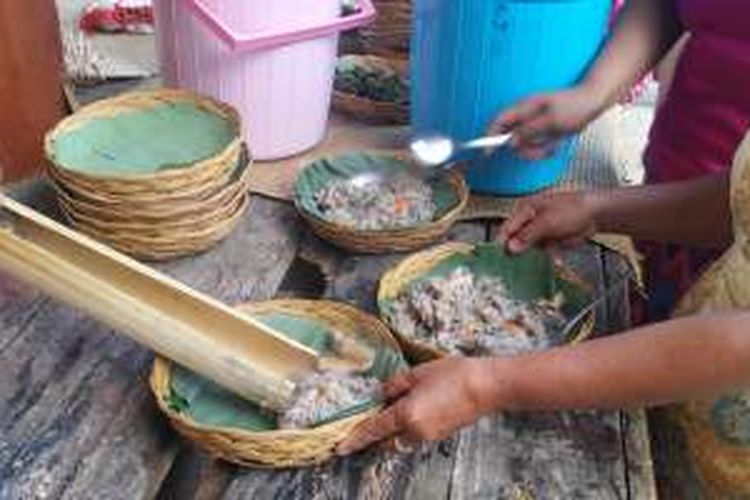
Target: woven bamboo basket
<point>390,34</point>
<point>370,110</point>
<point>397,279</point>
<point>167,180</point>
<point>387,240</point>
<point>213,176</point>
<point>157,212</point>
<point>212,180</point>
<point>138,206</point>
<point>178,242</point>
<point>277,448</point>
<point>166,228</point>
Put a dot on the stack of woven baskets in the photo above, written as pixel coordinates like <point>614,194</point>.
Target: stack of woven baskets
<point>389,35</point>
<point>372,89</point>
<point>372,78</point>
<point>158,174</point>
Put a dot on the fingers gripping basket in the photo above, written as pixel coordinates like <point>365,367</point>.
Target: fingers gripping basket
<point>532,275</point>
<point>252,439</point>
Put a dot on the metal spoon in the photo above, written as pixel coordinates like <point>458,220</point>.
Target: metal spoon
<point>437,150</point>
<point>430,152</point>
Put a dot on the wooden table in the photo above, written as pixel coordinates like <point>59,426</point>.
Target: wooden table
<point>77,420</point>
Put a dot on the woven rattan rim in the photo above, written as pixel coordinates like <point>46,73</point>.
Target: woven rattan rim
<point>139,100</point>
<point>387,240</point>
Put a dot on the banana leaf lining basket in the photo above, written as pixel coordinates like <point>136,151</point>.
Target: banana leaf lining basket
<point>238,431</point>
<point>529,276</point>
<point>161,140</point>
<point>450,196</point>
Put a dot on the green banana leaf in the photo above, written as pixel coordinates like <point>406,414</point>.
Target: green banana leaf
<point>208,404</point>
<point>529,276</point>
<point>318,174</point>
<point>143,141</point>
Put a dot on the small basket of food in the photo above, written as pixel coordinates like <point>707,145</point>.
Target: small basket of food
<point>372,89</point>
<point>356,353</point>
<point>375,203</point>
<point>464,299</point>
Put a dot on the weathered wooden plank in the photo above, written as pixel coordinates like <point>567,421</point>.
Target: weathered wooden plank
<point>195,475</point>
<point>75,412</point>
<point>555,455</point>
<point>251,263</point>
<point>639,471</point>
<point>131,457</point>
<point>432,474</point>
<point>64,383</point>
<point>640,464</point>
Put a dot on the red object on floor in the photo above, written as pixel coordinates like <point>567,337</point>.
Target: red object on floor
<point>117,19</point>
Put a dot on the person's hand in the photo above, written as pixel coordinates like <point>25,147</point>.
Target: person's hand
<point>563,219</point>
<point>429,403</point>
<point>538,123</point>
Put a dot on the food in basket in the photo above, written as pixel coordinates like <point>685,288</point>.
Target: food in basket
<point>321,395</point>
<point>401,201</point>
<point>369,80</point>
<point>462,313</point>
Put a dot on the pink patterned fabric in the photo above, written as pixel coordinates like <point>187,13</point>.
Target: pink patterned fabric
<point>697,129</point>
<point>707,111</point>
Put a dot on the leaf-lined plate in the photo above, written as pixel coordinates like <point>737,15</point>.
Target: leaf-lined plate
<point>530,276</point>
<point>450,196</point>
<point>207,404</point>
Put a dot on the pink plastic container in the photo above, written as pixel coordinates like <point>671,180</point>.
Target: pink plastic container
<point>274,60</point>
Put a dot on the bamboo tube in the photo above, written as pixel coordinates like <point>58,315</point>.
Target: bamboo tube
<point>194,330</point>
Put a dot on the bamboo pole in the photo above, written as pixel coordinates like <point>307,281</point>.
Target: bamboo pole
<point>194,330</point>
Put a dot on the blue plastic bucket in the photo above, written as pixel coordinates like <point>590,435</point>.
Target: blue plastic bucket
<point>470,59</point>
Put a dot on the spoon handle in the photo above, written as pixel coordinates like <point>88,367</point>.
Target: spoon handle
<point>493,141</point>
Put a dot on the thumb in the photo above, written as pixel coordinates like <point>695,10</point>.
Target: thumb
<point>530,235</point>
<point>518,114</point>
<point>399,385</point>
<point>521,216</point>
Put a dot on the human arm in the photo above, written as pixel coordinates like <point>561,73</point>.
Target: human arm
<point>695,212</point>
<point>645,31</point>
<point>683,359</point>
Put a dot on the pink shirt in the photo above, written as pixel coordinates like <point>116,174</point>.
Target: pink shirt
<point>707,111</point>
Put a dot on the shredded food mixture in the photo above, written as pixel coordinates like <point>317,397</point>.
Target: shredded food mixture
<point>466,314</point>
<point>403,201</point>
<point>322,395</point>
